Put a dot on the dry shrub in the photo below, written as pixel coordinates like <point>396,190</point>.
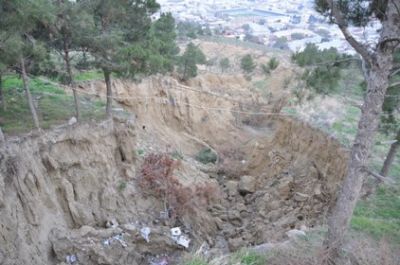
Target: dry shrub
<point>230,163</point>
<point>157,179</point>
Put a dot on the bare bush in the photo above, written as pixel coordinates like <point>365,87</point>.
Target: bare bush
<point>230,163</point>
<point>157,179</point>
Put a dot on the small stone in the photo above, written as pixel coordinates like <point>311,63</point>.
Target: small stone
<point>274,215</point>
<point>112,223</point>
<point>300,197</point>
<point>284,189</point>
<point>72,121</point>
<point>273,205</point>
<point>295,233</point>
<point>129,227</point>
<point>247,184</point>
<point>235,243</point>
<point>317,189</point>
<point>231,187</point>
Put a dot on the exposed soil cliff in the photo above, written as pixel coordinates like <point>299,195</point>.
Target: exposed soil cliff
<point>71,194</point>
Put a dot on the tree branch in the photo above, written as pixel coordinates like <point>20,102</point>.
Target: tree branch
<point>341,22</point>
<point>394,84</point>
<point>378,176</point>
<point>395,72</point>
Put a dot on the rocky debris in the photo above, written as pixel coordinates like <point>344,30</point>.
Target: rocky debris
<point>231,187</point>
<point>247,184</point>
<point>89,245</point>
<point>235,244</point>
<point>300,197</point>
<point>112,223</point>
<point>66,184</point>
<point>295,233</point>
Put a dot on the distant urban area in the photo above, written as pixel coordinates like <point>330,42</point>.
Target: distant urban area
<point>287,24</point>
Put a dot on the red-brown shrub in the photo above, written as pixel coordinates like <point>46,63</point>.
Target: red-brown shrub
<point>157,179</point>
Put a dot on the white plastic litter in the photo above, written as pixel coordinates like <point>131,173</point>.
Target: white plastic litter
<point>106,242</point>
<point>179,238</point>
<point>120,239</point>
<point>176,231</point>
<point>71,259</point>
<point>183,241</point>
<point>145,233</point>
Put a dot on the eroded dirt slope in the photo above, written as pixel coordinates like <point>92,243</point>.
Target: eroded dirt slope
<point>71,195</point>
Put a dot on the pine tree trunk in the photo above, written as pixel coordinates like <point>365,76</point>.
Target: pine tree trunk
<point>2,139</point>
<point>28,94</point>
<point>2,99</point>
<point>70,80</point>
<point>107,78</point>
<point>351,187</point>
<point>390,156</point>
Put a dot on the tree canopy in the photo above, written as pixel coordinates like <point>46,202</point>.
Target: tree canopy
<point>187,64</point>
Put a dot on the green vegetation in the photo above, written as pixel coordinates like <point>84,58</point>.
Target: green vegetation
<point>247,257</point>
<point>272,64</point>
<point>379,216</point>
<point>247,64</point>
<point>224,63</point>
<point>195,261</point>
<point>89,75</point>
<point>54,105</point>
<point>187,63</point>
<point>206,156</point>
<point>192,30</point>
<point>323,67</point>
<point>56,38</point>
<point>121,186</point>
<point>177,155</point>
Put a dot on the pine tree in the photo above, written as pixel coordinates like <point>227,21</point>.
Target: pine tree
<point>224,63</point>
<point>117,40</point>
<point>64,36</point>
<point>18,22</point>
<point>187,64</point>
<point>247,64</point>
<point>379,64</point>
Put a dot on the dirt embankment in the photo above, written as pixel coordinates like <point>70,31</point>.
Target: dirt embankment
<point>71,195</point>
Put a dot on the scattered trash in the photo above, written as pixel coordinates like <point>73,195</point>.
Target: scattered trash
<point>183,241</point>
<point>164,215</point>
<point>176,231</point>
<point>179,238</point>
<point>162,261</point>
<point>106,242</point>
<point>119,238</point>
<point>71,259</point>
<point>145,233</point>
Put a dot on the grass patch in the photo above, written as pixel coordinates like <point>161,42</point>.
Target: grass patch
<point>206,156</point>
<point>53,105</point>
<point>195,261</point>
<point>246,257</point>
<point>89,75</point>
